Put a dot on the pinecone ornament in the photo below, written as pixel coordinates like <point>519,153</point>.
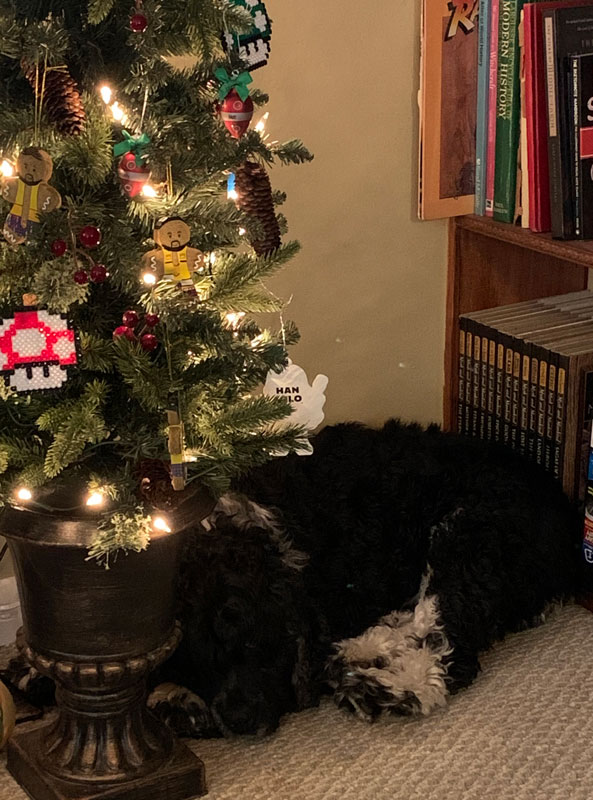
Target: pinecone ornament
<point>61,98</point>
<point>254,192</point>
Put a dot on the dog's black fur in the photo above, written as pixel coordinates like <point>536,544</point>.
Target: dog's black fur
<point>372,510</point>
<point>374,521</point>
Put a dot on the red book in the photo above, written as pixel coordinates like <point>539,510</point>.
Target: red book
<point>537,114</point>
<point>491,153</point>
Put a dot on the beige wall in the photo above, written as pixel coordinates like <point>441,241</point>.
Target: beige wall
<point>369,286</point>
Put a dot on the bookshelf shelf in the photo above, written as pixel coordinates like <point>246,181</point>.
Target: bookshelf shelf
<point>491,263</point>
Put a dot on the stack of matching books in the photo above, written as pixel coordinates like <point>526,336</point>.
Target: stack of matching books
<point>534,135</point>
<point>526,380</point>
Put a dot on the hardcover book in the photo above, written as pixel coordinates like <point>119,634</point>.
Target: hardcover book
<point>536,112</point>
<point>482,109</point>
<point>492,89</point>
<point>530,376</point>
<point>448,108</point>
<point>581,68</point>
<point>567,32</point>
<point>507,111</point>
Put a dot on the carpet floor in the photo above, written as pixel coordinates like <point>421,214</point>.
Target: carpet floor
<point>523,731</point>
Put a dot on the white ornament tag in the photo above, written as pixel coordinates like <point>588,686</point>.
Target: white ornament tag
<point>306,400</point>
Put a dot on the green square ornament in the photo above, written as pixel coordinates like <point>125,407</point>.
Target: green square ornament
<point>253,47</point>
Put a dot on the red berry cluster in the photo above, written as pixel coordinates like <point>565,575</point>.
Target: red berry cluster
<point>89,238</point>
<point>130,319</point>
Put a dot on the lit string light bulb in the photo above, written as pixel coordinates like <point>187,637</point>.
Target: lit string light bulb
<point>119,115</point>
<point>95,499</point>
<point>261,125</point>
<point>24,494</point>
<point>242,231</point>
<point>7,169</point>
<point>160,524</point>
<point>149,191</point>
<point>231,190</point>
<point>106,94</point>
<point>149,278</point>
<point>234,319</point>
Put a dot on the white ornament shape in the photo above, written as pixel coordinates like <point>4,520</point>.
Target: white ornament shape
<point>306,400</point>
<point>36,347</point>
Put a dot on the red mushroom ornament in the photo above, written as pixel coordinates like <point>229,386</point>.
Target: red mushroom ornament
<point>36,349</point>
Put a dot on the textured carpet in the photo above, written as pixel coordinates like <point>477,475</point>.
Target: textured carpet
<point>523,731</point>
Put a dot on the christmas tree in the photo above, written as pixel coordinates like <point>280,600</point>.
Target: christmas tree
<point>128,271</point>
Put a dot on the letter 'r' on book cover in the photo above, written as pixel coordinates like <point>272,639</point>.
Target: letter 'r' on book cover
<point>448,107</point>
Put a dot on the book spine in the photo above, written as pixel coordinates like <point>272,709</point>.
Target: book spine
<point>575,149</point>
<point>530,114</point>
<point>484,386</point>
<point>477,365</point>
<point>491,399</point>
<point>461,379</point>
<point>524,412</point>
<point>584,445</point>
<point>499,397</point>
<point>584,143</point>
<point>542,390</point>
<point>508,111</point>
<point>469,376</point>
<point>540,141</point>
<point>516,395</point>
<point>482,106</point>
<point>561,223</point>
<point>507,390</point>
<point>533,394</point>
<point>560,422</point>
<point>550,413</point>
<point>492,79</point>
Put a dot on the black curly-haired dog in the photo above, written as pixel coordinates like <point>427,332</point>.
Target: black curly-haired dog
<point>378,568</point>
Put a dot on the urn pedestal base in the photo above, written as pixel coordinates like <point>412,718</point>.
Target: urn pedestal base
<point>181,777</point>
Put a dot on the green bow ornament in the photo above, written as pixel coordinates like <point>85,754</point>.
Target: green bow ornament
<point>236,80</point>
<point>132,144</point>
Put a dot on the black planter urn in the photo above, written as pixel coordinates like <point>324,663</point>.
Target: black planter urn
<point>98,634</point>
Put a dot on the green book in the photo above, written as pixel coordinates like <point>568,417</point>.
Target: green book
<point>508,111</point>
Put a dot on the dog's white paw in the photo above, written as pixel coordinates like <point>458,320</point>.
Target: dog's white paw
<point>182,711</point>
<point>397,666</point>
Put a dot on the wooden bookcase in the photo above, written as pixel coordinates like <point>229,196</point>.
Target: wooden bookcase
<point>490,264</point>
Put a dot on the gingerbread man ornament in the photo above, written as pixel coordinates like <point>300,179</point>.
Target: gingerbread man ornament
<point>174,260</point>
<point>30,194</point>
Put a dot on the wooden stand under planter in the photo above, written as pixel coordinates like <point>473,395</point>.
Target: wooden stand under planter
<point>98,633</point>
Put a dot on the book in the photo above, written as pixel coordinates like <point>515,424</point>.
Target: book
<point>536,111</point>
<point>567,32</point>
<point>581,70</point>
<point>531,364</point>
<point>492,89</point>
<point>523,199</point>
<point>484,19</point>
<point>507,111</point>
<point>449,51</point>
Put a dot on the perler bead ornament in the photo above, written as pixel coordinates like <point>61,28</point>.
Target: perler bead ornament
<point>253,46</point>
<point>36,349</point>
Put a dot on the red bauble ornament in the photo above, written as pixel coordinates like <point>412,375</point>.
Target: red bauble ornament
<point>149,342</point>
<point>152,320</point>
<point>236,113</point>
<point>138,22</point>
<point>98,273</point>
<point>90,237</point>
<point>59,247</point>
<point>124,331</point>
<point>130,319</point>
<point>81,276</point>
<point>132,177</point>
